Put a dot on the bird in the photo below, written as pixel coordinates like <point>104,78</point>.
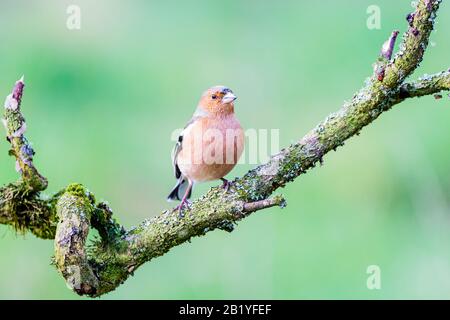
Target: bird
<point>209,146</point>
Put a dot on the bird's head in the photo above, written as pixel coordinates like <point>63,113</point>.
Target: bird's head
<point>218,100</point>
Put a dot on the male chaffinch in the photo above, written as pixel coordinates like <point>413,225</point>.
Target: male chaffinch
<point>210,144</point>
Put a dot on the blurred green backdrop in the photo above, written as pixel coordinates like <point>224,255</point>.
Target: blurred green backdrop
<point>102,102</point>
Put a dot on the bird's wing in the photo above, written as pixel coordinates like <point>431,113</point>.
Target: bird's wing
<point>177,148</point>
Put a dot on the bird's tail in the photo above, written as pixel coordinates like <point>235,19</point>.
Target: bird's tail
<point>179,190</point>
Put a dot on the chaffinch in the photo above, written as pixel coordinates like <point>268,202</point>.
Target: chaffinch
<point>210,144</point>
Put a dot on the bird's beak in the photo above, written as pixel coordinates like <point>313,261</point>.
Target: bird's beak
<point>229,97</point>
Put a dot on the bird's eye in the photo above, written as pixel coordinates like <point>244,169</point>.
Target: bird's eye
<point>214,97</point>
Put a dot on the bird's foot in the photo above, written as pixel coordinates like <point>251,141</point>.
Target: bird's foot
<point>226,184</point>
<point>185,203</point>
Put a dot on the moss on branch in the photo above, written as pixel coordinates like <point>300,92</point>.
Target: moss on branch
<point>25,210</point>
<point>426,85</point>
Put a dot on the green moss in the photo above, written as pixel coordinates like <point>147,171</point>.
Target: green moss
<point>79,190</point>
<point>24,210</point>
<point>76,189</point>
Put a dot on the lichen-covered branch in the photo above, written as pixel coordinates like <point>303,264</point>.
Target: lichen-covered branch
<point>426,85</point>
<point>16,126</point>
<point>20,204</point>
<point>101,266</point>
<point>28,211</point>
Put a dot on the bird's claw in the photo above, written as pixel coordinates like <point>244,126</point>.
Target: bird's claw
<point>184,204</point>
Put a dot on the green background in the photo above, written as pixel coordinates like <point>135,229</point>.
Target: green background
<point>102,102</point>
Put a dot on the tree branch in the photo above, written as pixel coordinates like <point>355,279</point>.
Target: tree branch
<point>103,265</point>
<point>426,85</point>
<point>16,126</point>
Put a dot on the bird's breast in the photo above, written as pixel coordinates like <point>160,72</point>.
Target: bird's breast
<point>211,148</point>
